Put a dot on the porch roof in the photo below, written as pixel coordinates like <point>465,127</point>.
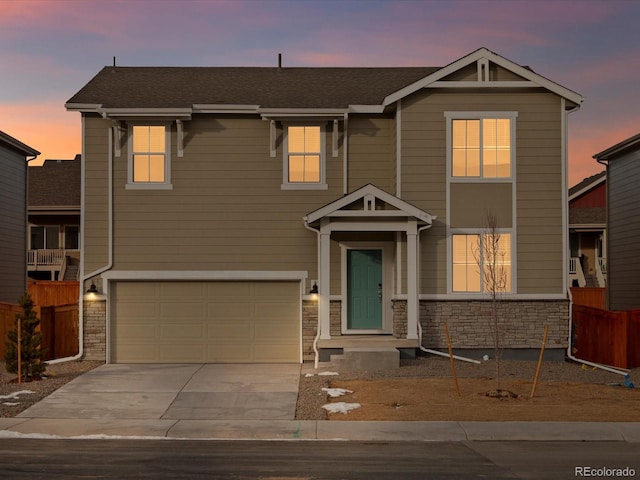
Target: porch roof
<point>369,202</point>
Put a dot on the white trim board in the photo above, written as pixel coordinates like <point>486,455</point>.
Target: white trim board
<point>204,275</point>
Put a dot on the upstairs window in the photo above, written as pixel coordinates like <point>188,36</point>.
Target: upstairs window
<point>479,266</point>
<point>149,158</point>
<point>482,147</point>
<point>44,237</point>
<point>304,157</point>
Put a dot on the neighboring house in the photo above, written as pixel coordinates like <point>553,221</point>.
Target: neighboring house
<point>623,223</point>
<point>14,156</point>
<point>588,232</point>
<point>218,201</point>
<point>54,220</point>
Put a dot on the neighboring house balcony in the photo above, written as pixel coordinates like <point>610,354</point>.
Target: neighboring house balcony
<point>56,264</point>
<point>578,278</point>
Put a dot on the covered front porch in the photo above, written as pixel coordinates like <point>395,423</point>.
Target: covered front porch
<point>368,271</point>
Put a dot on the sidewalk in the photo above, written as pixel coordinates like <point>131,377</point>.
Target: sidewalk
<point>246,402</point>
<point>320,430</point>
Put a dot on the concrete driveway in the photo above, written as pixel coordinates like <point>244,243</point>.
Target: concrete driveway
<point>176,392</point>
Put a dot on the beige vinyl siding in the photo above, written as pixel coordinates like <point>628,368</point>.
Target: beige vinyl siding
<point>471,201</point>
<point>623,261</point>
<point>539,195</point>
<point>13,216</point>
<point>538,180</point>
<point>371,152</point>
<point>96,191</point>
<point>226,210</point>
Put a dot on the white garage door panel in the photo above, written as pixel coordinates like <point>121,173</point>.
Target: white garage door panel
<point>191,322</point>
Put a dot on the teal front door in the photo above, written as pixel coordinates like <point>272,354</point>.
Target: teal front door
<point>364,289</point>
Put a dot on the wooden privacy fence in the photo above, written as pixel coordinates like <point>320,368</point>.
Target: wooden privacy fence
<point>606,337</point>
<point>589,296</point>
<point>58,324</point>
<point>53,293</point>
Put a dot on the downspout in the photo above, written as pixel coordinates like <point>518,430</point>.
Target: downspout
<point>566,223</point>
<point>26,217</point>
<point>82,250</point>
<point>428,350</point>
<point>316,352</point>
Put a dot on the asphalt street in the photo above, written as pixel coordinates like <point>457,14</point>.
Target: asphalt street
<point>170,459</point>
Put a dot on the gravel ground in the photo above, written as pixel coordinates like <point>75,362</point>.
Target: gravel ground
<point>57,375</point>
<point>311,397</point>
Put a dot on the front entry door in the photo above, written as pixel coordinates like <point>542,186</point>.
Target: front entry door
<point>364,289</point>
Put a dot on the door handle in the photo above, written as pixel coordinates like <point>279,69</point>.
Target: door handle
<point>380,292</point>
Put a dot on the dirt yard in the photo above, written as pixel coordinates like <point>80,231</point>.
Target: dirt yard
<point>436,399</point>
<point>424,390</point>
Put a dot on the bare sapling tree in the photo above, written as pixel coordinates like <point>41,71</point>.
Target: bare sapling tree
<point>490,255</point>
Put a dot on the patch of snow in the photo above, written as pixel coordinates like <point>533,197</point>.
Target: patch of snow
<point>309,375</point>
<point>15,394</point>
<point>340,407</point>
<point>11,404</point>
<point>328,373</point>
<point>336,392</point>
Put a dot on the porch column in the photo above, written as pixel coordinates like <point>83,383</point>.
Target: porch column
<point>412,281</point>
<point>324,280</point>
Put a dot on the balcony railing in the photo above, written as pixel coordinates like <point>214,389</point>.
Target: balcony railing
<point>47,257</point>
<point>575,272</point>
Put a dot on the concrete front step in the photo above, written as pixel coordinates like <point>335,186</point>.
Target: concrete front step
<point>368,358</point>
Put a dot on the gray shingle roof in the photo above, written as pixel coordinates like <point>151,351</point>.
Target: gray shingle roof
<point>586,182</point>
<point>182,87</point>
<point>55,184</point>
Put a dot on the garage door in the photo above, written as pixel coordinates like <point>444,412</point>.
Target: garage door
<point>192,322</point>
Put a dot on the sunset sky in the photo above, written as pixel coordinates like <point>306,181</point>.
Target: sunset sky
<point>50,48</point>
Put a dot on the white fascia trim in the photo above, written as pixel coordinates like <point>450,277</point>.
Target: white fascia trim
<point>83,107</point>
<point>366,108</point>
<point>588,187</point>
<point>307,113</point>
<point>292,275</point>
<point>484,53</point>
<point>224,108</point>
<point>483,296</point>
<point>361,193</point>
<point>588,226</point>
<point>181,113</point>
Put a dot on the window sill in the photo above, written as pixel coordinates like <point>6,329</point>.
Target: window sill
<point>148,186</point>
<point>481,179</point>
<point>304,186</point>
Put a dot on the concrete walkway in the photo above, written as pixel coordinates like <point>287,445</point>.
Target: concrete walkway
<point>214,401</point>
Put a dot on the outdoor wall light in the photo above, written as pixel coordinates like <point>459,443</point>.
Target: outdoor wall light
<point>92,294</point>
<point>314,289</point>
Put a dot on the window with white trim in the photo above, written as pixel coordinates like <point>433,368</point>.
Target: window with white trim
<point>304,157</point>
<point>481,262</point>
<point>149,160</point>
<point>482,146</point>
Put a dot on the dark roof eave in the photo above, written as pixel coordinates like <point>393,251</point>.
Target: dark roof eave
<point>618,149</point>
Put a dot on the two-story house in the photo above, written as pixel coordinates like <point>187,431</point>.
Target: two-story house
<point>277,214</point>
<point>54,220</point>
<point>622,161</point>
<point>14,156</point>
